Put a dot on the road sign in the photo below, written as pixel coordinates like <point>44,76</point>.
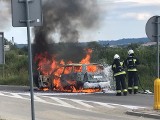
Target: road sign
<point>6,47</point>
<point>2,60</point>
<point>152,31</point>
<point>26,13</point>
<point>19,16</point>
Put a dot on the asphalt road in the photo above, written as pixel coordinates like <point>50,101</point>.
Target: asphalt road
<point>15,105</point>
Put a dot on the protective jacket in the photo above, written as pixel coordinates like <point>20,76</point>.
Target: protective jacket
<point>131,63</point>
<point>118,67</point>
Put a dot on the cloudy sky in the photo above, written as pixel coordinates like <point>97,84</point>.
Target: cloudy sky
<point>121,19</point>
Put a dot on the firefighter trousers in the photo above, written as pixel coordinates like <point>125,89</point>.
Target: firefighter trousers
<point>120,83</point>
<point>132,81</point>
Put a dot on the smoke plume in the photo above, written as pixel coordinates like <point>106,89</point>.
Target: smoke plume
<point>66,18</point>
<point>5,13</point>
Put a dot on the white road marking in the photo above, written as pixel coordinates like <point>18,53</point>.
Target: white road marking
<point>39,98</point>
<point>128,106</point>
<point>105,104</point>
<point>61,102</point>
<point>1,94</point>
<point>64,105</point>
<point>81,103</point>
<point>16,95</point>
<point>113,104</point>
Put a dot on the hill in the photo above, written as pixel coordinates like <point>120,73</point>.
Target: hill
<point>124,41</point>
<point>21,45</point>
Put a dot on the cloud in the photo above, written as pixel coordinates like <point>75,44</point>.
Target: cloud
<point>139,1</point>
<point>133,9</point>
<point>137,16</point>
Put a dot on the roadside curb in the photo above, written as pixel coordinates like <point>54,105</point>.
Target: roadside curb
<point>145,112</point>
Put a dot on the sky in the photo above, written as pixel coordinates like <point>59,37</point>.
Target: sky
<point>121,19</point>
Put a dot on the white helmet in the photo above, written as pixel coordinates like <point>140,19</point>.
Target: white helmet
<point>130,52</point>
<point>116,56</point>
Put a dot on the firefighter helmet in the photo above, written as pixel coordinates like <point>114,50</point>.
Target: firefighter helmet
<point>130,52</point>
<point>116,56</point>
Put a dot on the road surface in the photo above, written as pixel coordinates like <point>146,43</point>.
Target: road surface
<point>15,105</point>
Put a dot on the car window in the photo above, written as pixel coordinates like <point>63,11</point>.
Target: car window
<point>68,70</point>
<point>100,69</point>
<point>91,68</point>
<point>77,69</point>
<point>94,68</point>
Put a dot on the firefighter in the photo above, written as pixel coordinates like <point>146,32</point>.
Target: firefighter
<point>119,75</point>
<point>131,63</point>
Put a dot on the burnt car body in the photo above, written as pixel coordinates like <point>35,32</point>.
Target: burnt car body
<point>83,75</point>
<point>79,76</point>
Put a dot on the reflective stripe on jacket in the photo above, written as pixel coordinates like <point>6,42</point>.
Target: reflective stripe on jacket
<point>119,73</point>
<point>131,63</point>
<point>118,69</point>
<point>134,69</point>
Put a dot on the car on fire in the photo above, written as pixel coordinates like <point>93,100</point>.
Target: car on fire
<point>75,75</point>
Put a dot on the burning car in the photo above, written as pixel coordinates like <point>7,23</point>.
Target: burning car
<point>75,78</point>
<point>68,76</point>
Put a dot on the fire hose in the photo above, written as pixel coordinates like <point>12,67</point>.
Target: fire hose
<point>144,91</point>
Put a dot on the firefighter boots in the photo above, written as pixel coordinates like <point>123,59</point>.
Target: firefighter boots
<point>130,91</point>
<point>135,91</point>
<point>118,94</point>
<point>125,93</point>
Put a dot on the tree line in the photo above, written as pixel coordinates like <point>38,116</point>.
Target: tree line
<point>147,56</point>
<point>15,69</point>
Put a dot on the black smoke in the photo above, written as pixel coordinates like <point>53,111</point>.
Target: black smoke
<point>66,18</point>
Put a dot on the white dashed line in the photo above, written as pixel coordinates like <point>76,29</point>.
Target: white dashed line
<point>104,104</point>
<point>39,99</point>
<point>81,103</point>
<point>16,95</point>
<point>62,101</point>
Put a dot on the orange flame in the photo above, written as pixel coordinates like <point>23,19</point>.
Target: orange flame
<point>53,68</point>
<point>86,60</point>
